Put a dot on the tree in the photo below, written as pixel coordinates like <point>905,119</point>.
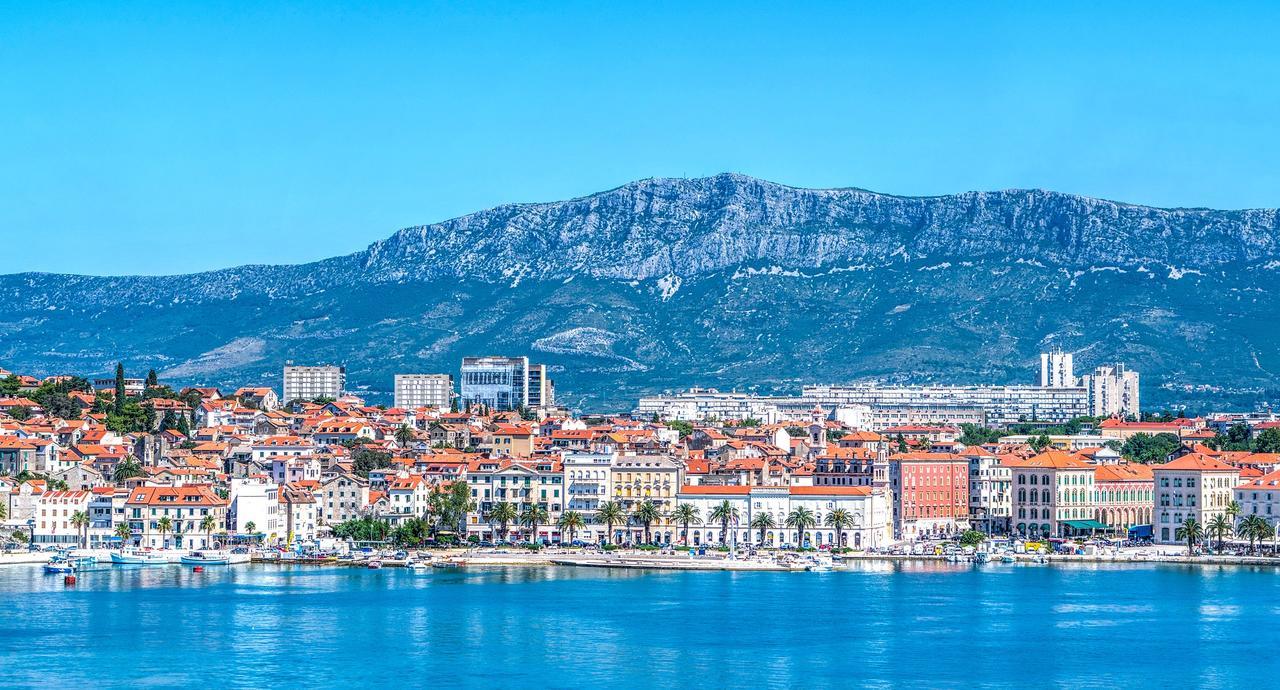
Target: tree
<point>1267,442</point>
<point>646,514</point>
<point>972,537</point>
<point>404,436</point>
<point>685,428</point>
<point>1253,528</point>
<point>1148,449</point>
<point>4,512</point>
<point>504,514</point>
<point>841,520</point>
<point>978,435</point>
<point>762,522</point>
<point>152,380</point>
<point>800,520</point>
<point>128,468</point>
<point>724,513</point>
<point>610,513</point>
<point>1233,511</point>
<point>684,515</point>
<point>364,461</point>
<point>250,528</point>
<point>1191,531</point>
<point>1039,443</point>
<point>125,532</point>
<point>1219,528</point>
<point>1236,438</point>
<point>164,526</point>
<point>533,516</point>
<point>80,520</point>
<point>207,524</point>
<point>570,522</point>
<point>119,400</point>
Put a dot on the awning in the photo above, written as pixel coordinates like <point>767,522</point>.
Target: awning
<point>1084,524</point>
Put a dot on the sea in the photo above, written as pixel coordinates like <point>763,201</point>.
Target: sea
<point>877,625</point>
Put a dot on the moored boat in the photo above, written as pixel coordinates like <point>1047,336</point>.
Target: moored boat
<point>373,565</point>
<point>135,556</point>
<point>201,558</point>
<point>59,566</point>
<point>418,566</point>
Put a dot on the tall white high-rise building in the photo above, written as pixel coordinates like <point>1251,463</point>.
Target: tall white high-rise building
<point>1057,370</point>
<point>424,390</point>
<point>309,383</point>
<point>1113,391</point>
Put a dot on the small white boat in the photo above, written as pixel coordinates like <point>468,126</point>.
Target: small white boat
<point>418,566</point>
<point>135,556</point>
<point>1007,558</point>
<point>201,558</point>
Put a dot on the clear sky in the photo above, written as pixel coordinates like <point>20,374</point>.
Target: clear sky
<point>173,137</point>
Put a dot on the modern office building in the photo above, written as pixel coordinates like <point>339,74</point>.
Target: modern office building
<point>498,383</point>
<point>309,383</point>
<point>424,390</point>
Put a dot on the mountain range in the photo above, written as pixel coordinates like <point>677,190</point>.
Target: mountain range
<point>725,281</point>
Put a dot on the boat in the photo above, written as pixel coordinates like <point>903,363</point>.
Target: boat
<point>1007,558</point>
<point>445,564</point>
<point>135,556</point>
<point>980,557</point>
<point>820,564</point>
<point>201,558</point>
<point>373,565</point>
<point>418,566</point>
<point>59,566</point>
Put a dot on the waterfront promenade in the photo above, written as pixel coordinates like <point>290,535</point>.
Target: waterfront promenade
<point>904,624</point>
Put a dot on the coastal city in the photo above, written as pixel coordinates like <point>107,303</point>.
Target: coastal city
<point>132,470</point>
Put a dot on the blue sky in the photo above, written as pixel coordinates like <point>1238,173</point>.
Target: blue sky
<point>173,137</point>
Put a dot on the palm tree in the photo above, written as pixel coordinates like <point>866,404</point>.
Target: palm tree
<point>646,514</point>
<point>250,529</point>
<point>125,532</point>
<point>533,516</point>
<point>4,512</point>
<point>127,469</point>
<point>1233,511</point>
<point>684,515</point>
<point>724,514</point>
<point>164,525</point>
<point>504,514</point>
<point>1190,530</point>
<point>1220,527</point>
<point>1251,528</point>
<point>207,524</point>
<point>80,520</point>
<point>571,521</point>
<point>841,520</point>
<point>404,436</point>
<point>763,522</point>
<point>610,513</point>
<point>800,520</point>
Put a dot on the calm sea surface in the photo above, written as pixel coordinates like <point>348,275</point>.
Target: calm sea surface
<point>882,626</point>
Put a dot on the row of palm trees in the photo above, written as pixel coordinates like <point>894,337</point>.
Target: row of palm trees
<point>1254,528</point>
<point>646,513</point>
<point>164,526</point>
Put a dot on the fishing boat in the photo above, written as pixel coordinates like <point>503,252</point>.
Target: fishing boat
<point>201,558</point>
<point>59,566</point>
<point>135,556</point>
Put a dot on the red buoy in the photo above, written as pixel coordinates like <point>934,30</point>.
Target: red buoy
<point>198,569</point>
<point>69,580</point>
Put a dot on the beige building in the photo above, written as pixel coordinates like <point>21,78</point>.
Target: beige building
<point>1053,494</point>
<point>657,478</point>
<point>1193,486</point>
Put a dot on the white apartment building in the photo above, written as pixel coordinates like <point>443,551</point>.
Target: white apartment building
<point>698,404</point>
<point>256,500</point>
<point>869,508</point>
<point>1192,486</point>
<point>1113,391</point>
<point>423,390</point>
<point>1002,405</point>
<point>1057,369</point>
<point>53,515</point>
<point>311,382</point>
<point>587,479</point>
<point>1261,497</point>
<point>990,496</point>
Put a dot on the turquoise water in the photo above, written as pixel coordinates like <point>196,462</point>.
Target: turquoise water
<point>911,626</point>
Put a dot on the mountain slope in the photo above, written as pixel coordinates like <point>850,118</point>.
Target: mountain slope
<point>725,281</point>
